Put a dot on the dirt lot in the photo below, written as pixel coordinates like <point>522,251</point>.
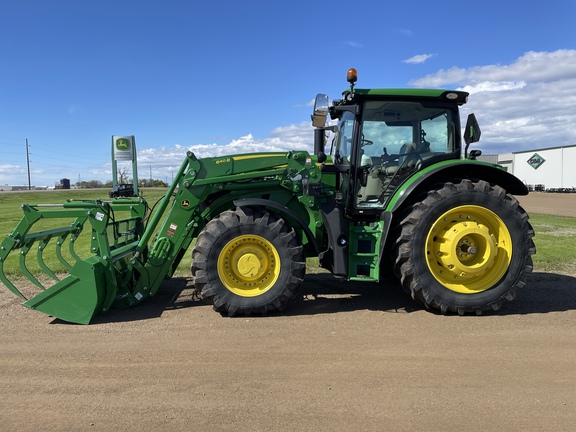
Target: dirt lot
<point>345,357</point>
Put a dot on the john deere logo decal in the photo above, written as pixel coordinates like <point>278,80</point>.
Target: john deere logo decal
<point>536,160</point>
<point>122,144</point>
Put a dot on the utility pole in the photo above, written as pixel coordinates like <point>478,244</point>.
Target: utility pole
<point>28,164</point>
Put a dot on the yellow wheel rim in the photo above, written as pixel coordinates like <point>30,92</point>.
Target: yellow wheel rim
<point>249,265</point>
<point>468,249</point>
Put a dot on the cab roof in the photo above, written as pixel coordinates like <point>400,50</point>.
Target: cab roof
<point>459,97</point>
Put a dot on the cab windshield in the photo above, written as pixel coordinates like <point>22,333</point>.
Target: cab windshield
<point>388,126</point>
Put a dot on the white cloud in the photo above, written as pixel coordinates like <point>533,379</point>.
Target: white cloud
<point>417,59</point>
<point>281,139</point>
<point>8,171</point>
<point>72,109</point>
<point>525,105</point>
<point>310,103</point>
<point>353,44</point>
<point>488,86</point>
<point>405,32</point>
<point>531,67</point>
<point>165,161</point>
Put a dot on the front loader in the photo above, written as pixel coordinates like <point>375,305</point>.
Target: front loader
<point>397,191</point>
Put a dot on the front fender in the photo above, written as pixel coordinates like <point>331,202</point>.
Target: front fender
<point>282,211</point>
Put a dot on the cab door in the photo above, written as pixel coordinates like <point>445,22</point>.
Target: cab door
<point>343,153</point>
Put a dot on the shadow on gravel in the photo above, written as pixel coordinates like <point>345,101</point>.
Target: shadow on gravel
<point>175,293</point>
<point>543,293</point>
<point>319,294</point>
<point>323,294</point>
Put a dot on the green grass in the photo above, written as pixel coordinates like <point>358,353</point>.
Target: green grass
<point>10,202</point>
<point>11,213</point>
<point>554,239</point>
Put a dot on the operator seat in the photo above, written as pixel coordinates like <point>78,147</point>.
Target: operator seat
<point>408,155</point>
<point>370,193</point>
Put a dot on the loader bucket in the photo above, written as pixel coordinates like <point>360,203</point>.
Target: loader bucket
<point>92,264</point>
<point>77,297</point>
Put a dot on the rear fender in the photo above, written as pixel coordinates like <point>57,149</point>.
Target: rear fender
<point>443,172</point>
<point>446,171</point>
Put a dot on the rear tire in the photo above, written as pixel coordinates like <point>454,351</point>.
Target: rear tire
<point>465,247</point>
<point>248,262</point>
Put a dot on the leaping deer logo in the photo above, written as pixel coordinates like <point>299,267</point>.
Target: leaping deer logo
<point>122,144</point>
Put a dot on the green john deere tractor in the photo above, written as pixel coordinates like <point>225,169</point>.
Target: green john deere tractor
<point>395,190</point>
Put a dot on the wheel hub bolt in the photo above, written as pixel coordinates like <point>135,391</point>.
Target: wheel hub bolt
<point>469,249</point>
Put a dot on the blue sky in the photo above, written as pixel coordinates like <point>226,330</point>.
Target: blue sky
<point>222,77</point>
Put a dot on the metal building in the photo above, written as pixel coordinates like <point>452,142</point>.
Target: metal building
<point>552,168</point>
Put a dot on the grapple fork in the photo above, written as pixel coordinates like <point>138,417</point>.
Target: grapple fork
<point>86,277</point>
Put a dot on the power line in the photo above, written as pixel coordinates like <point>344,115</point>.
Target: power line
<point>51,150</point>
<point>51,165</point>
<point>46,157</point>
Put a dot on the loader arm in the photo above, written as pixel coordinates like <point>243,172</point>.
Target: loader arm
<point>202,189</point>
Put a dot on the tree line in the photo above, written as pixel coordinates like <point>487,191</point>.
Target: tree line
<point>97,184</point>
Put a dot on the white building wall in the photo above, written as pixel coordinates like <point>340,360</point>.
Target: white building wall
<point>489,158</point>
<point>569,167</point>
<point>506,160</point>
<point>549,173</point>
<point>558,170</point>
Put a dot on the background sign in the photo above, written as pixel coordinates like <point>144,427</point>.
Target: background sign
<point>123,148</point>
<point>536,160</point>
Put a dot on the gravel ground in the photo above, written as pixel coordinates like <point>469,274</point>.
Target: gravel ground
<point>342,357</point>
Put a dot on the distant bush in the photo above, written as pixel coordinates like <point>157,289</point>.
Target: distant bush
<point>151,183</point>
<point>92,184</point>
<point>97,184</point>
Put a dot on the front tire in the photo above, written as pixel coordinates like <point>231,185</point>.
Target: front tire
<point>248,262</point>
<point>465,247</point>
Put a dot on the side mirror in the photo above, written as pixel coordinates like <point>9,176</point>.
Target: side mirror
<point>320,110</point>
<point>471,132</point>
<point>475,154</point>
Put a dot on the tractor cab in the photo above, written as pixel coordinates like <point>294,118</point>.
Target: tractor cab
<point>383,136</point>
